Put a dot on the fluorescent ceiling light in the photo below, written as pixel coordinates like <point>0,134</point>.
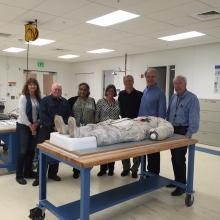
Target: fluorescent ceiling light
<point>14,50</point>
<point>103,50</point>
<point>68,56</point>
<point>113,18</point>
<point>182,36</point>
<point>41,42</point>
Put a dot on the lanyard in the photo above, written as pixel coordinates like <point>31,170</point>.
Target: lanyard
<point>177,106</point>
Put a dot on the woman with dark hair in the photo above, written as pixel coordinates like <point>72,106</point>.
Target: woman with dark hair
<point>107,108</point>
<point>26,128</point>
<point>83,108</point>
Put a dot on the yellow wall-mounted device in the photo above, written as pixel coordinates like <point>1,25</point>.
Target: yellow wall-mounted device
<point>31,32</point>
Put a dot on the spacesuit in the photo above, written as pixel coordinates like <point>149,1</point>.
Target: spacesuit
<point>118,131</point>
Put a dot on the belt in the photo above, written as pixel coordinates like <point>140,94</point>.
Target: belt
<point>180,126</point>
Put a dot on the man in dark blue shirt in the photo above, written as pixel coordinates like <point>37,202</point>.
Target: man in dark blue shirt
<point>184,114</point>
<point>129,102</point>
<point>50,106</point>
<point>153,103</point>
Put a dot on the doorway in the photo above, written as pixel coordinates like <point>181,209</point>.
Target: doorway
<point>45,79</point>
<point>113,77</point>
<point>165,78</point>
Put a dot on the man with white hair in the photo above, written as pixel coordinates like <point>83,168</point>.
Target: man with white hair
<point>51,105</point>
<point>153,103</point>
<point>184,114</point>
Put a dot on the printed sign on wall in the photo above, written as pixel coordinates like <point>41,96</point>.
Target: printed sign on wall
<point>217,79</point>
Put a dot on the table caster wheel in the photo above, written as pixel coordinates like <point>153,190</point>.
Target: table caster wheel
<point>37,214</point>
<point>142,178</point>
<point>189,200</point>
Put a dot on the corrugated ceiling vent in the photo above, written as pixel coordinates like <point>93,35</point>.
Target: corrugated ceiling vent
<point>207,16</point>
<point>61,50</point>
<point>5,35</point>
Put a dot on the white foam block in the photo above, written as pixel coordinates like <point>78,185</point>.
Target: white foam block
<point>71,144</point>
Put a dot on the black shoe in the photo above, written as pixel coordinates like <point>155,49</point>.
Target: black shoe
<point>21,181</point>
<point>170,185</point>
<point>36,182</point>
<point>55,178</point>
<point>32,175</point>
<point>125,172</point>
<point>177,192</point>
<point>101,173</point>
<point>110,172</point>
<point>134,175</point>
<point>76,174</point>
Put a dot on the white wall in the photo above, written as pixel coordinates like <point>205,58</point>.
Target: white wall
<point>11,69</point>
<point>196,63</point>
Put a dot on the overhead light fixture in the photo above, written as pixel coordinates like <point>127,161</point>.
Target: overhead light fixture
<point>41,42</point>
<point>14,50</point>
<point>113,18</point>
<point>68,56</point>
<point>103,50</point>
<point>182,36</point>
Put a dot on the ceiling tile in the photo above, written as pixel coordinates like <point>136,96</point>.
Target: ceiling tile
<point>213,3</point>
<point>26,4</point>
<point>8,13</point>
<point>31,15</point>
<point>89,11</point>
<point>186,10</point>
<point>59,24</point>
<point>150,6</point>
<point>60,7</point>
<point>141,26</point>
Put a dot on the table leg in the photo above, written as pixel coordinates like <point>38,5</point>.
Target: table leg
<point>190,176</point>
<point>85,194</point>
<point>143,165</point>
<point>42,176</point>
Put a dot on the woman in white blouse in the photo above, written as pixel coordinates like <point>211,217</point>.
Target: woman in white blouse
<point>27,127</point>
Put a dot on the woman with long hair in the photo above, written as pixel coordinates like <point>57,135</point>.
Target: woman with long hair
<point>27,128</point>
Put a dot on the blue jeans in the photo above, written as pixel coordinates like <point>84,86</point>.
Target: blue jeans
<point>27,143</point>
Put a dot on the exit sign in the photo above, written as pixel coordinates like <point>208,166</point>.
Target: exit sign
<point>40,64</point>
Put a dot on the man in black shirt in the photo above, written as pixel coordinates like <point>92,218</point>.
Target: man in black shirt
<point>129,102</point>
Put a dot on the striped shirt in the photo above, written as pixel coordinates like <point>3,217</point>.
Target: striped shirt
<point>105,111</point>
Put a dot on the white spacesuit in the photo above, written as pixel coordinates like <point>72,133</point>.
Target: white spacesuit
<point>118,131</point>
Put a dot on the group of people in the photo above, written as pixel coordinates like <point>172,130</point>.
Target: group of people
<point>36,121</point>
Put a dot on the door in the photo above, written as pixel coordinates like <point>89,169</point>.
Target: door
<point>108,78</point>
<point>161,76</point>
<point>45,80</point>
<point>47,83</point>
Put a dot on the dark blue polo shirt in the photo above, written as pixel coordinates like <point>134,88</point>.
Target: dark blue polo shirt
<point>51,106</point>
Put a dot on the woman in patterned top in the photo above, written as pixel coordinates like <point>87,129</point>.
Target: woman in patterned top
<point>83,108</point>
<point>107,108</point>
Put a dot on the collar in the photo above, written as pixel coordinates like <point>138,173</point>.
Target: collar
<point>130,92</point>
<point>152,87</point>
<point>183,95</point>
<point>55,98</point>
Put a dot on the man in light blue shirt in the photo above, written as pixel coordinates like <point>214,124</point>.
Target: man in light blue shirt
<point>184,114</point>
<point>153,103</point>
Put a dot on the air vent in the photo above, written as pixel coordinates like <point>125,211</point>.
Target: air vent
<point>61,50</point>
<point>5,35</point>
<point>207,16</point>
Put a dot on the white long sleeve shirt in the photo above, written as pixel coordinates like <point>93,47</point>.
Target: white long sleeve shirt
<point>22,118</point>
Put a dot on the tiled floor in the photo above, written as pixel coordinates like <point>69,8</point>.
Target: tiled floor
<point>16,200</point>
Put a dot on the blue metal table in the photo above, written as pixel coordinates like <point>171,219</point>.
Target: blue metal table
<point>8,136</point>
<point>84,161</point>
